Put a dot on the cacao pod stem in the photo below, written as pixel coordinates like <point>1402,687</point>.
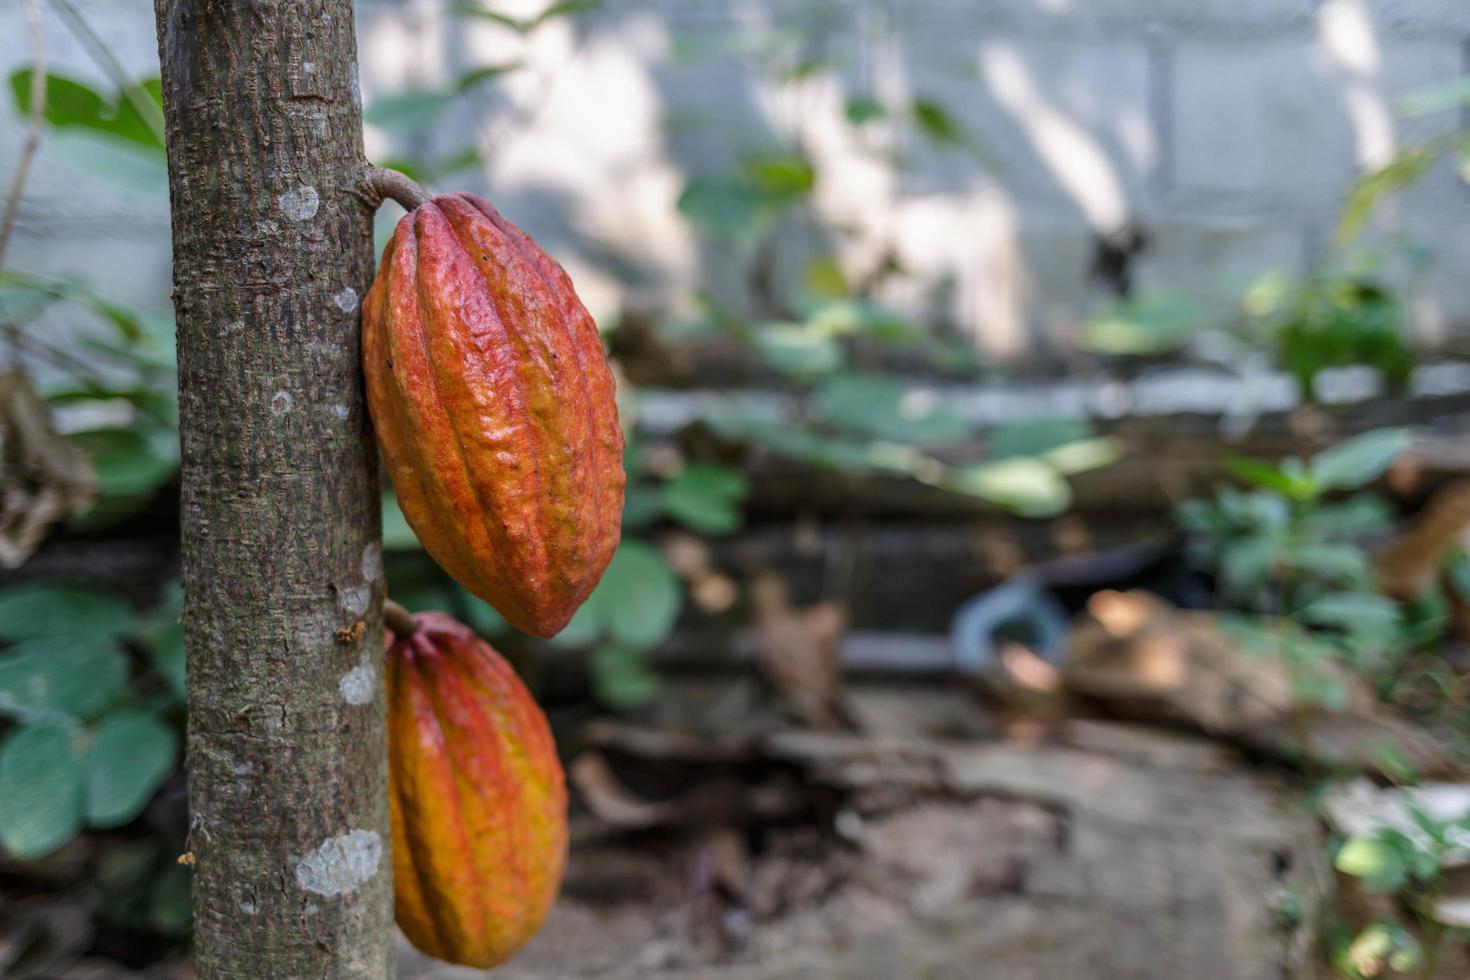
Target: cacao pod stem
<point>380,183</point>
<point>399,620</point>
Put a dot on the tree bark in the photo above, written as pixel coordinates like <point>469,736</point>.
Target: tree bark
<point>281,558</point>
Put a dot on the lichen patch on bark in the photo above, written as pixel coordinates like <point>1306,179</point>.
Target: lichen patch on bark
<point>358,684</point>
<point>300,204</point>
<point>341,864</point>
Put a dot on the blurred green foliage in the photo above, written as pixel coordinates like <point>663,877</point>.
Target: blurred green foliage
<point>95,728</point>
<point>1294,555</point>
<point>1409,863</point>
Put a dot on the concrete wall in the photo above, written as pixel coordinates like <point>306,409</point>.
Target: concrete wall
<point>1227,129</point>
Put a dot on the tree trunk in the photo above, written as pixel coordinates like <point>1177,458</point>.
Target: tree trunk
<point>281,558</point>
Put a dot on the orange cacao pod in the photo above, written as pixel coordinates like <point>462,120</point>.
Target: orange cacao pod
<point>494,406</point>
<point>478,801</point>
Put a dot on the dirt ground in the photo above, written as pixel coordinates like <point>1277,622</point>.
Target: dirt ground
<point>1104,851</point>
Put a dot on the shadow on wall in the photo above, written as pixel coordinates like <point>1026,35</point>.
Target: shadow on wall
<point>1071,156</point>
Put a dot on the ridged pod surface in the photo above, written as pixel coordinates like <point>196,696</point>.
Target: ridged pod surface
<point>495,410</point>
<point>478,799</point>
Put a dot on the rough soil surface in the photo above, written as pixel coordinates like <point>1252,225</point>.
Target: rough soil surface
<point>1112,853</point>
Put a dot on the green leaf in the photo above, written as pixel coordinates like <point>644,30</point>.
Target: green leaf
<point>887,409</point>
<point>705,498</point>
<point>471,8</point>
<point>1407,168</point>
<point>1247,563</point>
<point>133,323</point>
<point>412,169</point>
<point>466,159</point>
<point>1379,944</point>
<point>130,166</point>
<point>935,122</point>
<point>408,111</point>
<point>1352,610</point>
<point>1261,474</point>
<point>860,111</point>
<point>1153,323</point>
<point>1035,437</point>
<point>79,677</point>
<point>823,276</point>
<point>1336,563</point>
<point>795,441</point>
<point>411,111</point>
<point>1379,864</point>
<point>1085,454</point>
<point>1363,515</point>
<point>73,104</point>
<point>131,754</point>
<point>1030,487</point>
<point>621,678</point>
<point>941,129</point>
<point>782,175</point>
<point>22,299</point>
<point>566,8</point>
<point>476,77</point>
<point>40,790</point>
<point>1359,460</point>
<point>1068,445</point>
<point>127,462</point>
<point>36,611</point>
<point>846,316</point>
<point>639,598</point>
<point>732,211</point>
<point>1439,98</point>
<point>793,349</point>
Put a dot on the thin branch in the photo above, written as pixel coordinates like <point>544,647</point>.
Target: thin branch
<point>380,183</point>
<point>126,87</point>
<point>33,125</point>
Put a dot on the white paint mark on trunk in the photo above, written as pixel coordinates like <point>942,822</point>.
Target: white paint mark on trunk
<point>346,300</point>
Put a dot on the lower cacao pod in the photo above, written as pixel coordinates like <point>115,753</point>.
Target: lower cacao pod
<point>478,800</point>
<point>495,409</point>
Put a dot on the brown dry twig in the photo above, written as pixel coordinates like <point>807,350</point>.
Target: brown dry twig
<point>33,124</point>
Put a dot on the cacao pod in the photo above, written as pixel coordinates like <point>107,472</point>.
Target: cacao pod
<point>478,801</point>
<point>495,409</point>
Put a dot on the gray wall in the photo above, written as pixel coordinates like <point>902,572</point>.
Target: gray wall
<point>1228,129</point>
